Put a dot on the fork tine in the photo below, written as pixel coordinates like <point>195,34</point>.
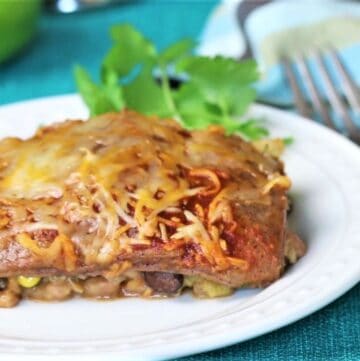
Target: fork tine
<point>319,104</point>
<point>335,99</point>
<point>300,101</point>
<point>350,88</point>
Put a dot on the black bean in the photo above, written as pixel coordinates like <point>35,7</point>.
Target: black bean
<point>3,284</point>
<point>163,282</point>
<point>290,206</point>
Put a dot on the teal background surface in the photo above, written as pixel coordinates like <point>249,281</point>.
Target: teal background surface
<point>45,69</point>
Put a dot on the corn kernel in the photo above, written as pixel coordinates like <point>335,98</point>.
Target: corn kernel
<point>28,282</point>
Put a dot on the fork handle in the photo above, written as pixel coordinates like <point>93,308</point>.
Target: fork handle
<point>244,9</point>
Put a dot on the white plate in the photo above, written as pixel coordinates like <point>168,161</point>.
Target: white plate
<point>325,169</point>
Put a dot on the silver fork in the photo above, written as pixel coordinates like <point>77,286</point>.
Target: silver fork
<point>343,106</point>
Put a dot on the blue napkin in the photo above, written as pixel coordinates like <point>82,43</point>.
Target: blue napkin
<point>286,28</point>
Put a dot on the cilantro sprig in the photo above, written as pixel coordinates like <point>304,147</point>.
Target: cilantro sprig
<point>215,90</point>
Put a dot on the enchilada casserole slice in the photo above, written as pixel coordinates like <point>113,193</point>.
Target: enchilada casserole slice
<point>127,205</point>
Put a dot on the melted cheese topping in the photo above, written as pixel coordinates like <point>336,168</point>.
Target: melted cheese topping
<point>115,183</point>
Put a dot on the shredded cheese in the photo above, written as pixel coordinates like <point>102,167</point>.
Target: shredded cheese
<point>237,262</point>
<point>196,231</point>
<point>281,181</point>
<point>51,253</point>
<point>107,189</point>
<point>209,175</point>
<point>163,232</point>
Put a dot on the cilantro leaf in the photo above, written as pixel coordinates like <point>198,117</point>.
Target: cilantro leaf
<point>288,140</point>
<point>99,99</point>
<point>216,91</point>
<point>224,82</point>
<point>176,51</point>
<point>131,48</point>
<point>223,70</point>
<point>154,101</point>
<point>112,90</point>
<point>193,112</point>
<point>251,129</point>
<point>224,89</point>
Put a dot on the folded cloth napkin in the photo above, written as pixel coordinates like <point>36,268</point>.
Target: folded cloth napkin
<point>286,28</point>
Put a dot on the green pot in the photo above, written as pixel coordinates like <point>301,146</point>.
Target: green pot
<point>18,24</point>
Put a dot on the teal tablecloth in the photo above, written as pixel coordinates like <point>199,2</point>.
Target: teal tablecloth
<point>330,334</point>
